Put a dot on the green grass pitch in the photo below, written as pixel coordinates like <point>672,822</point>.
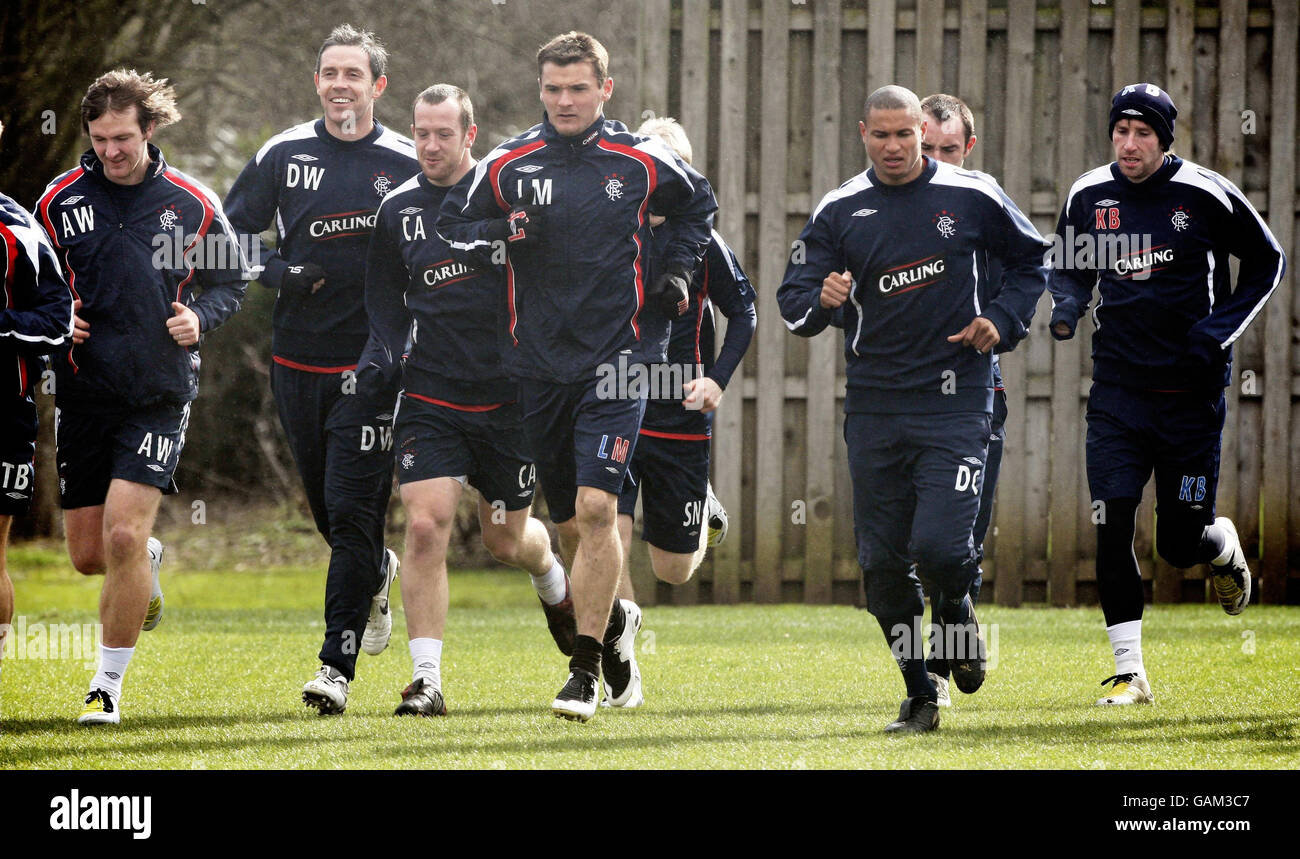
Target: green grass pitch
<point>217,686</point>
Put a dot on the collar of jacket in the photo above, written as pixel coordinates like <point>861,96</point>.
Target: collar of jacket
<point>1156,180</point>
<point>91,164</point>
<point>586,138</point>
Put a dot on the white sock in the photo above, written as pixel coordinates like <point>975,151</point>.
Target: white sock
<point>112,668</point>
<point>552,586</point>
<point>426,657</point>
<point>1126,646</point>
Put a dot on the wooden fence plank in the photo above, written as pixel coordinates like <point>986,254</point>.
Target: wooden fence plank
<point>882,18</point>
<point>971,68</point>
<point>929,47</point>
<point>1229,152</point>
<point>1018,150</point>
<point>1067,454</point>
<point>728,442</point>
<point>822,350</point>
<point>694,109</point>
<point>1180,71</point>
<point>693,112</point>
<point>657,62</point>
<point>1124,42</point>
<point>1277,317</point>
<point>770,506</point>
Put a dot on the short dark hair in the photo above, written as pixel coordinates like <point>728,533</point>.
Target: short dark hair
<point>892,97</point>
<point>944,107</point>
<point>120,89</point>
<point>345,35</point>
<point>575,47</point>
<point>438,93</point>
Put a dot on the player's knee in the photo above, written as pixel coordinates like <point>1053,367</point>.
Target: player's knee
<point>86,560</point>
<point>501,545</point>
<point>595,511</point>
<point>935,555</point>
<point>426,531</point>
<point>348,513</point>
<point>125,541</point>
<point>892,593</point>
<point>676,570</point>
<point>1180,545</point>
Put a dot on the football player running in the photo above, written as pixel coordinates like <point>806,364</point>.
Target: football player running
<point>321,183</point>
<point>1162,230</point>
<point>458,420</point>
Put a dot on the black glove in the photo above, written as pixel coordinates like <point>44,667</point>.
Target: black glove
<point>670,292</point>
<point>523,226</point>
<point>298,279</point>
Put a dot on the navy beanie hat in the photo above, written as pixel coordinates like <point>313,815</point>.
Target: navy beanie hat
<point>1148,103</point>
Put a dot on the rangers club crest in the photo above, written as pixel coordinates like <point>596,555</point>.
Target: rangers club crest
<point>946,223</point>
<point>614,186</point>
<point>1180,219</point>
<point>382,182</point>
<point>169,217</point>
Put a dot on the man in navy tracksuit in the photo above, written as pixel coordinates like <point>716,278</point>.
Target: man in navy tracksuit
<point>564,208</point>
<point>322,183</point>
<point>670,466</point>
<point>1152,233</point>
<point>135,238</point>
<point>458,419</point>
<point>910,237</point>
<point>35,319</point>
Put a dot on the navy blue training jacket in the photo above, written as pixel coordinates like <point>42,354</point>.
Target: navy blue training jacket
<point>575,301</point>
<point>918,256</point>
<point>1167,315</point>
<point>452,313</point>
<point>321,193</point>
<point>128,252</point>
<point>36,317</point>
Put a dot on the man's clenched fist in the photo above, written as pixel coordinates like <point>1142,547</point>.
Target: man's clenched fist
<point>835,289</point>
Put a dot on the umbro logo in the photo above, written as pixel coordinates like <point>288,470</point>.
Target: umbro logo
<point>1106,203</point>
<point>156,467</point>
<point>973,460</point>
<point>72,201</point>
<point>862,213</point>
<point>387,417</point>
<point>411,210</point>
<point>303,156</point>
<point>529,168</point>
<point>611,469</point>
<point>17,496</point>
<point>1131,112</point>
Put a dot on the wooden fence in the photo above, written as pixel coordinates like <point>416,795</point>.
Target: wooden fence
<point>770,93</point>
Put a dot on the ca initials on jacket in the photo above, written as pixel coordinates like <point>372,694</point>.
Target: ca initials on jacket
<point>541,191</point>
<point>82,220</point>
<point>307,176</point>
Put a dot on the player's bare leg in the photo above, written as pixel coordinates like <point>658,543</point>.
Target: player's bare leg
<point>516,538</point>
<point>569,538</point>
<point>113,539</point>
<point>625,589</point>
<point>430,513</point>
